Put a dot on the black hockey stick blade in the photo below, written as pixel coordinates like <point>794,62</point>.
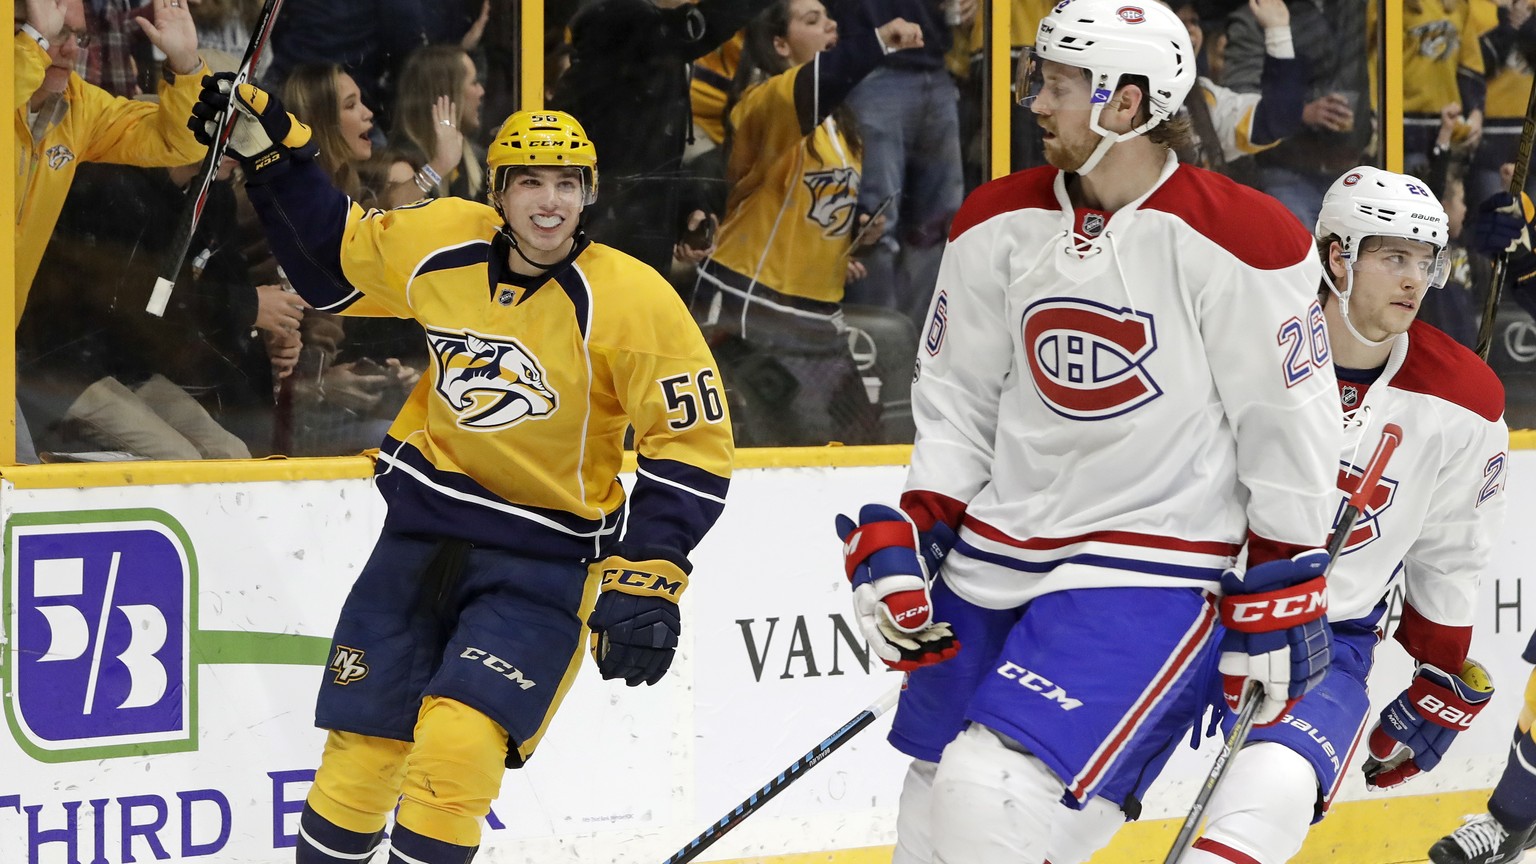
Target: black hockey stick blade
<point>192,210</point>
<point>1391,437</point>
<point>794,772</point>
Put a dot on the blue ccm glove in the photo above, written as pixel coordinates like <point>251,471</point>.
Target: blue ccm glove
<point>1275,632</point>
<point>1418,726</point>
<point>636,623</point>
<point>264,136</point>
<point>891,564</point>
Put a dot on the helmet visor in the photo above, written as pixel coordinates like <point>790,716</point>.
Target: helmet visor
<point>1063,86</point>
<point>1404,259</point>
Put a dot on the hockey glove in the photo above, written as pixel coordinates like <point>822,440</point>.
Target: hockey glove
<point>1418,726</point>
<point>1500,227</point>
<point>264,136</point>
<point>891,566</point>
<point>1275,632</point>
<point>635,624</point>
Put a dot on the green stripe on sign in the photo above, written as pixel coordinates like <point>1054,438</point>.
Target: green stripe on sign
<point>263,649</point>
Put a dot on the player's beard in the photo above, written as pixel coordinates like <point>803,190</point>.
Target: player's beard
<point>1068,152</point>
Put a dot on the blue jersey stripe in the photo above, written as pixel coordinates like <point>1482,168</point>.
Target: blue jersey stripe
<point>1134,565</point>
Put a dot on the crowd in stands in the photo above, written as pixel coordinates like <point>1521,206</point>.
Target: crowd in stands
<point>791,165</point>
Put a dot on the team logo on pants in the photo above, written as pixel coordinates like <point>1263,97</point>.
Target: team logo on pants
<point>1087,360</point>
<point>348,665</point>
<point>491,382</point>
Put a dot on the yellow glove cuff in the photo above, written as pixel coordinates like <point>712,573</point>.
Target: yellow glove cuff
<point>653,577</point>
<point>259,100</point>
<point>1475,676</point>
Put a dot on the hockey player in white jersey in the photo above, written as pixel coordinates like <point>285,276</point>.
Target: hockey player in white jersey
<point>1430,523</point>
<point>1124,382</point>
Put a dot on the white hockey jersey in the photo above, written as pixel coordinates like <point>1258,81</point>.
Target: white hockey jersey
<point>1435,515</point>
<point>1127,406</point>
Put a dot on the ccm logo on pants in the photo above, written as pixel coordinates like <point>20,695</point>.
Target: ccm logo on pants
<point>499,666</point>
<point>1039,684</point>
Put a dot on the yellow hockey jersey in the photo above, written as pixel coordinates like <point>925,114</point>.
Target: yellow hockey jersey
<point>95,127</point>
<point>1440,41</point>
<point>514,437</point>
<point>710,86</point>
<point>790,215</point>
<point>1510,84</point>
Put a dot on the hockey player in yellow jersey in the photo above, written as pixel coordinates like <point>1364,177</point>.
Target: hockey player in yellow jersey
<point>776,277</point>
<point>506,536</point>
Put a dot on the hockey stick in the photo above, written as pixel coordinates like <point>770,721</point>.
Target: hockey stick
<point>1391,437</point>
<point>757,799</point>
<point>1501,263</point>
<point>192,210</point>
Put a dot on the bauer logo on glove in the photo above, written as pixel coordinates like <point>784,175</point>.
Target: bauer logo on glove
<point>1418,726</point>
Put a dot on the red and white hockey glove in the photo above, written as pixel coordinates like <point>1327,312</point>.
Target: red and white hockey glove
<point>891,566</point>
<point>1418,726</point>
<point>1275,632</point>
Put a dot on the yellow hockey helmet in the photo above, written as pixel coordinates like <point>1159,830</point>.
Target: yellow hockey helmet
<point>542,138</point>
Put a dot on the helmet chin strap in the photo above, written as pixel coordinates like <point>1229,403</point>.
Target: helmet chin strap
<point>1349,288</point>
<point>1092,162</point>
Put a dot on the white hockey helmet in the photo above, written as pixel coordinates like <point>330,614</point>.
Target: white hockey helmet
<point>1369,202</point>
<point>1115,38</point>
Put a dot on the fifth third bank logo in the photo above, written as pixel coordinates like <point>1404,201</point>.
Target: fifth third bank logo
<point>98,616</point>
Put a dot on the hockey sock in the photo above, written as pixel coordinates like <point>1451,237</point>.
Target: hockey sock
<point>359,781</point>
<point>992,802</point>
<point>453,773</point>
<point>408,847</point>
<point>1080,833</point>
<point>1513,802</point>
<point>321,841</point>
<point>1261,813</point>
<point>914,841</point>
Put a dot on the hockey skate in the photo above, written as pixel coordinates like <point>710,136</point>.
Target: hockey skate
<point>1481,840</point>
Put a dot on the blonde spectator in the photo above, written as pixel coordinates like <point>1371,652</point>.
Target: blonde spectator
<point>330,102</point>
<point>436,118</point>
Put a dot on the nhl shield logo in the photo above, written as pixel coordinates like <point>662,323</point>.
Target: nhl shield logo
<point>505,296</point>
<point>1349,395</point>
<point>1093,224</point>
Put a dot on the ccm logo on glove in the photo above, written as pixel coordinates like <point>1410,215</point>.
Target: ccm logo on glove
<point>1286,607</point>
<point>641,582</point>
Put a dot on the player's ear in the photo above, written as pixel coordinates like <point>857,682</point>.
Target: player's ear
<point>1127,101</point>
<point>1336,265</point>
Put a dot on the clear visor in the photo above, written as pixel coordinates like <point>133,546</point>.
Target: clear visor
<point>1404,259</point>
<point>1066,86</point>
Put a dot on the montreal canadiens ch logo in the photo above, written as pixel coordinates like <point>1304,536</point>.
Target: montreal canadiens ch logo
<point>1368,526</point>
<point>1087,360</point>
<point>1131,14</point>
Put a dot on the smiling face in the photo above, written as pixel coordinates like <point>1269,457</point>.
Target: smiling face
<point>811,31</point>
<point>1391,277</point>
<point>356,119</point>
<point>542,206</point>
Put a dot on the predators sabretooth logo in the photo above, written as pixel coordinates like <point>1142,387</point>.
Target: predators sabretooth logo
<point>833,195</point>
<point>491,382</point>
